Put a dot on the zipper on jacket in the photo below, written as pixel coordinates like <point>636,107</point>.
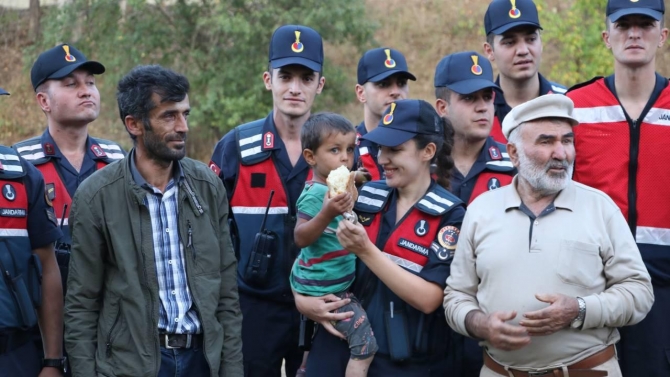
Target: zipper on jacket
<point>109,334</point>
<point>190,239</point>
<point>632,175</point>
<point>191,193</point>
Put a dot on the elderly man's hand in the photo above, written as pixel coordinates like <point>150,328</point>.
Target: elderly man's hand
<point>495,329</point>
<point>557,316</point>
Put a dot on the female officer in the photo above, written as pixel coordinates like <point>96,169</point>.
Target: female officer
<point>407,230</point>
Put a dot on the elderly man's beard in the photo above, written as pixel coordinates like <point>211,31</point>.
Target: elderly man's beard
<point>540,178</point>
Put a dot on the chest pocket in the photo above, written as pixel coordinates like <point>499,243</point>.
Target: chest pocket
<point>579,263</point>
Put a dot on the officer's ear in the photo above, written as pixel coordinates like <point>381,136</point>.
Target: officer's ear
<point>360,93</point>
<point>442,107</point>
<point>308,154</point>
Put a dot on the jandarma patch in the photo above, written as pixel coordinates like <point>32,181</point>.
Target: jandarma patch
<point>448,237</point>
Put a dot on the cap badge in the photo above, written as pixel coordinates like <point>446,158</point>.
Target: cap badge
<point>68,57</point>
<point>514,12</point>
<point>476,69</point>
<point>389,63</point>
<point>388,118</point>
<point>297,46</point>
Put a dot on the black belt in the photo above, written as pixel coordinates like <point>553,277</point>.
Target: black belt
<point>171,341</point>
<point>14,340</point>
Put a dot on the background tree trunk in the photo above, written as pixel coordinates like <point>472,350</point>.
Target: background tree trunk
<point>34,25</point>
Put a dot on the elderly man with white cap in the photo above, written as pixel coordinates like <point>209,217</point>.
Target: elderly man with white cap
<point>546,269</point>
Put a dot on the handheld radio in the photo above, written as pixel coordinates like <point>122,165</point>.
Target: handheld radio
<point>257,272</point>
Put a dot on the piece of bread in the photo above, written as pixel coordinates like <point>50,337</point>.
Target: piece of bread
<point>341,180</point>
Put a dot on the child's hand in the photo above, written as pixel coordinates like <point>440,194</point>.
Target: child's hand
<point>337,205</point>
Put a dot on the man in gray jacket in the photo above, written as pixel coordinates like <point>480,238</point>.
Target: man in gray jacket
<point>152,285</point>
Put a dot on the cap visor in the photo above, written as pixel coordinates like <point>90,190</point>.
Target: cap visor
<point>656,15</point>
<point>384,75</point>
<point>387,136</point>
<point>512,25</point>
<point>283,62</point>
<point>471,86</point>
<point>92,66</point>
<point>3,92</point>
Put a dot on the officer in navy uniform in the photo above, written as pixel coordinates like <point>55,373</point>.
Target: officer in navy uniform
<point>255,160</point>
<point>408,227</point>
<point>30,287</point>
<point>464,91</point>
<point>513,42</point>
<point>64,84</point>
<point>382,79</point>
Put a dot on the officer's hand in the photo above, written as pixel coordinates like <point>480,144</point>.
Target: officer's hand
<point>361,176</point>
<point>321,310</point>
<point>557,316</point>
<point>495,329</point>
<point>353,237</point>
<point>50,372</point>
<point>337,205</point>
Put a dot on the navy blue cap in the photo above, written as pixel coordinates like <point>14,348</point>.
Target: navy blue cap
<point>403,120</point>
<point>296,44</point>
<point>464,73</point>
<point>380,63</point>
<point>3,92</point>
<point>619,8</point>
<point>59,62</point>
<point>503,15</point>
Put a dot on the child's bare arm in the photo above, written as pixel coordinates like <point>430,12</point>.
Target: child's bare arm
<point>308,231</point>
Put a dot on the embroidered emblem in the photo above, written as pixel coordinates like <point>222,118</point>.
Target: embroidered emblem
<point>514,12</point>
<point>97,151</point>
<point>421,228</point>
<point>9,192</point>
<point>494,152</point>
<point>68,58</point>
<point>389,63</point>
<point>476,69</point>
<point>448,237</point>
<point>297,46</point>
<point>388,118</point>
<point>493,183</point>
<point>269,140</point>
<point>49,149</point>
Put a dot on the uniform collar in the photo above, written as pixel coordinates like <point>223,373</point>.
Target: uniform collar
<point>545,88</point>
<point>93,150</point>
<point>564,200</point>
<point>491,151</point>
<point>270,138</point>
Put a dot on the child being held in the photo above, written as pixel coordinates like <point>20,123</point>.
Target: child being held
<point>323,267</point>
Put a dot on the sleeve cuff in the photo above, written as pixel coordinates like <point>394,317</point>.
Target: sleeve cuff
<point>593,318</point>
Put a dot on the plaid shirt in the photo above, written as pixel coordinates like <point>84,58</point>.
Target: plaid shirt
<point>177,315</point>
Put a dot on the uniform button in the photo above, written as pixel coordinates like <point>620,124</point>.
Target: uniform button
<point>537,222</point>
<point>170,261</point>
<point>167,230</point>
<point>176,319</point>
<point>174,293</point>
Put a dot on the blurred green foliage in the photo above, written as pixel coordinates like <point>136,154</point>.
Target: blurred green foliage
<point>221,46</point>
<point>575,30</point>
